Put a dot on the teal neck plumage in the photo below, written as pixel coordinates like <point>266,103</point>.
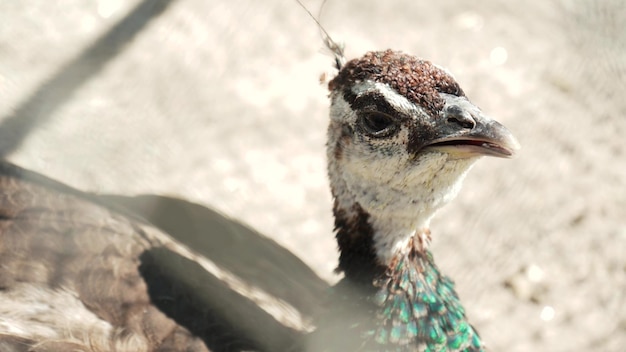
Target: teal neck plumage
<point>418,309</point>
<point>404,306</point>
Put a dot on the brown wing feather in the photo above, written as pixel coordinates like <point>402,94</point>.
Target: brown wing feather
<point>69,274</point>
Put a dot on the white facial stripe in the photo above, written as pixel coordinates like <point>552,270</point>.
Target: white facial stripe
<point>396,100</point>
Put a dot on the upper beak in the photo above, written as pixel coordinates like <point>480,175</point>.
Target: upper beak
<point>465,132</point>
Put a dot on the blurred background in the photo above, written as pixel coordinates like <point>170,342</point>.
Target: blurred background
<point>219,103</point>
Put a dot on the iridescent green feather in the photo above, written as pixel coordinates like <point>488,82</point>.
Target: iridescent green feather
<point>418,310</point>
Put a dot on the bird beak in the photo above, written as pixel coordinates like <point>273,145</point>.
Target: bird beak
<point>464,131</point>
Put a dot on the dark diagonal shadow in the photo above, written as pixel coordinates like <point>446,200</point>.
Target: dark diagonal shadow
<point>58,89</point>
<point>223,319</point>
<point>230,244</point>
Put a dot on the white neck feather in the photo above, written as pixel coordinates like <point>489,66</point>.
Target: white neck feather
<point>401,203</point>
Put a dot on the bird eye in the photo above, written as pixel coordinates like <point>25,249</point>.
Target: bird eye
<point>377,124</point>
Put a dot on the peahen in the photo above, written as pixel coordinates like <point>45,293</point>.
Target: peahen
<point>401,139</point>
<point>80,273</point>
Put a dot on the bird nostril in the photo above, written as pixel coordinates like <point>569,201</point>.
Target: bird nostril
<point>458,116</point>
<point>465,122</point>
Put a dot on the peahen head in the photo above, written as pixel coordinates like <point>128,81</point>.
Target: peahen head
<point>402,137</point>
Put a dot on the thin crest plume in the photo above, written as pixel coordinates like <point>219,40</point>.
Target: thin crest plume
<point>335,48</point>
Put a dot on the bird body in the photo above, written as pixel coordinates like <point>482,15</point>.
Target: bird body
<point>78,275</point>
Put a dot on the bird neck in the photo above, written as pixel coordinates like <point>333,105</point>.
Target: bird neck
<point>395,294</point>
<point>418,305</point>
<point>414,303</point>
<point>369,243</point>
<point>390,271</point>
<point>368,252</point>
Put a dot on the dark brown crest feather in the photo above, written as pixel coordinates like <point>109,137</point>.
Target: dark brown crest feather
<point>418,80</point>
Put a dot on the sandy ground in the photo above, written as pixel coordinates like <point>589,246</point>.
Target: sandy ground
<point>220,103</point>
